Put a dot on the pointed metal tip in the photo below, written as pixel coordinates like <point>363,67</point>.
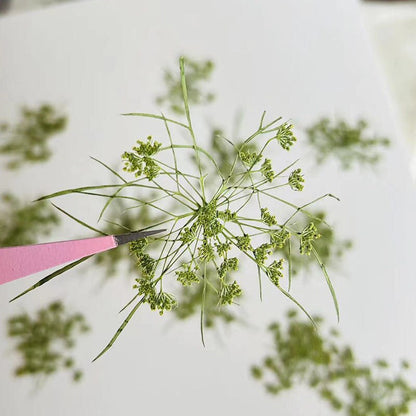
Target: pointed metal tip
<point>137,235</point>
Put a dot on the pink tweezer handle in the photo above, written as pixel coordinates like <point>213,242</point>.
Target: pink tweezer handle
<point>21,261</point>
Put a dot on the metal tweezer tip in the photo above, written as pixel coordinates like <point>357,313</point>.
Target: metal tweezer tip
<point>137,235</point>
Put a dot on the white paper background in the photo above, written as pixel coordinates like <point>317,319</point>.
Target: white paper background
<point>301,60</point>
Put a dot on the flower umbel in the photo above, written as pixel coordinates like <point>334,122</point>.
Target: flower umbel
<point>214,218</point>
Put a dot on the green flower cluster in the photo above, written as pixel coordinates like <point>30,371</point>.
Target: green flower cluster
<point>187,276</point>
<point>345,142</point>
<point>296,180</point>
<point>43,342</point>
<point>267,218</point>
<point>27,140</point>
<point>301,355</point>
<point>145,284</point>
<point>307,237</point>
<point>140,161</point>
<point>22,224</point>
<point>285,136</point>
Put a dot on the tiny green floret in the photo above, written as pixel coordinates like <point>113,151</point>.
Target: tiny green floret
<point>267,170</point>
<point>262,253</point>
<point>187,276</point>
<point>296,180</point>
<point>244,242</point>
<point>275,271</point>
<point>307,237</point>
<point>278,238</point>
<point>229,291</point>
<point>140,161</point>
<point>227,265</point>
<point>284,135</point>
<point>268,218</point>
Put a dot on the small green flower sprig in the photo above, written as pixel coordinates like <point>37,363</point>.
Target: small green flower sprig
<point>345,142</point>
<point>301,355</point>
<point>27,140</point>
<point>213,217</point>
<point>45,340</point>
<point>22,224</point>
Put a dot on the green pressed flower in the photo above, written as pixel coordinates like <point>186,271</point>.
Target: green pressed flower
<point>44,340</point>
<point>187,235</point>
<point>208,219</point>
<point>302,354</point>
<point>137,247</point>
<point>296,180</point>
<point>206,209</point>
<point>145,286</point>
<point>147,265</point>
<point>27,141</point>
<point>345,142</point>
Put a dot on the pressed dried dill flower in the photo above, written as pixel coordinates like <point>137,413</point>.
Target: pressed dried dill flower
<point>250,158</point>
<point>207,212</point>
<point>27,140</point>
<point>345,142</point>
<point>44,341</point>
<point>223,248</point>
<point>302,355</point>
<point>22,224</point>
